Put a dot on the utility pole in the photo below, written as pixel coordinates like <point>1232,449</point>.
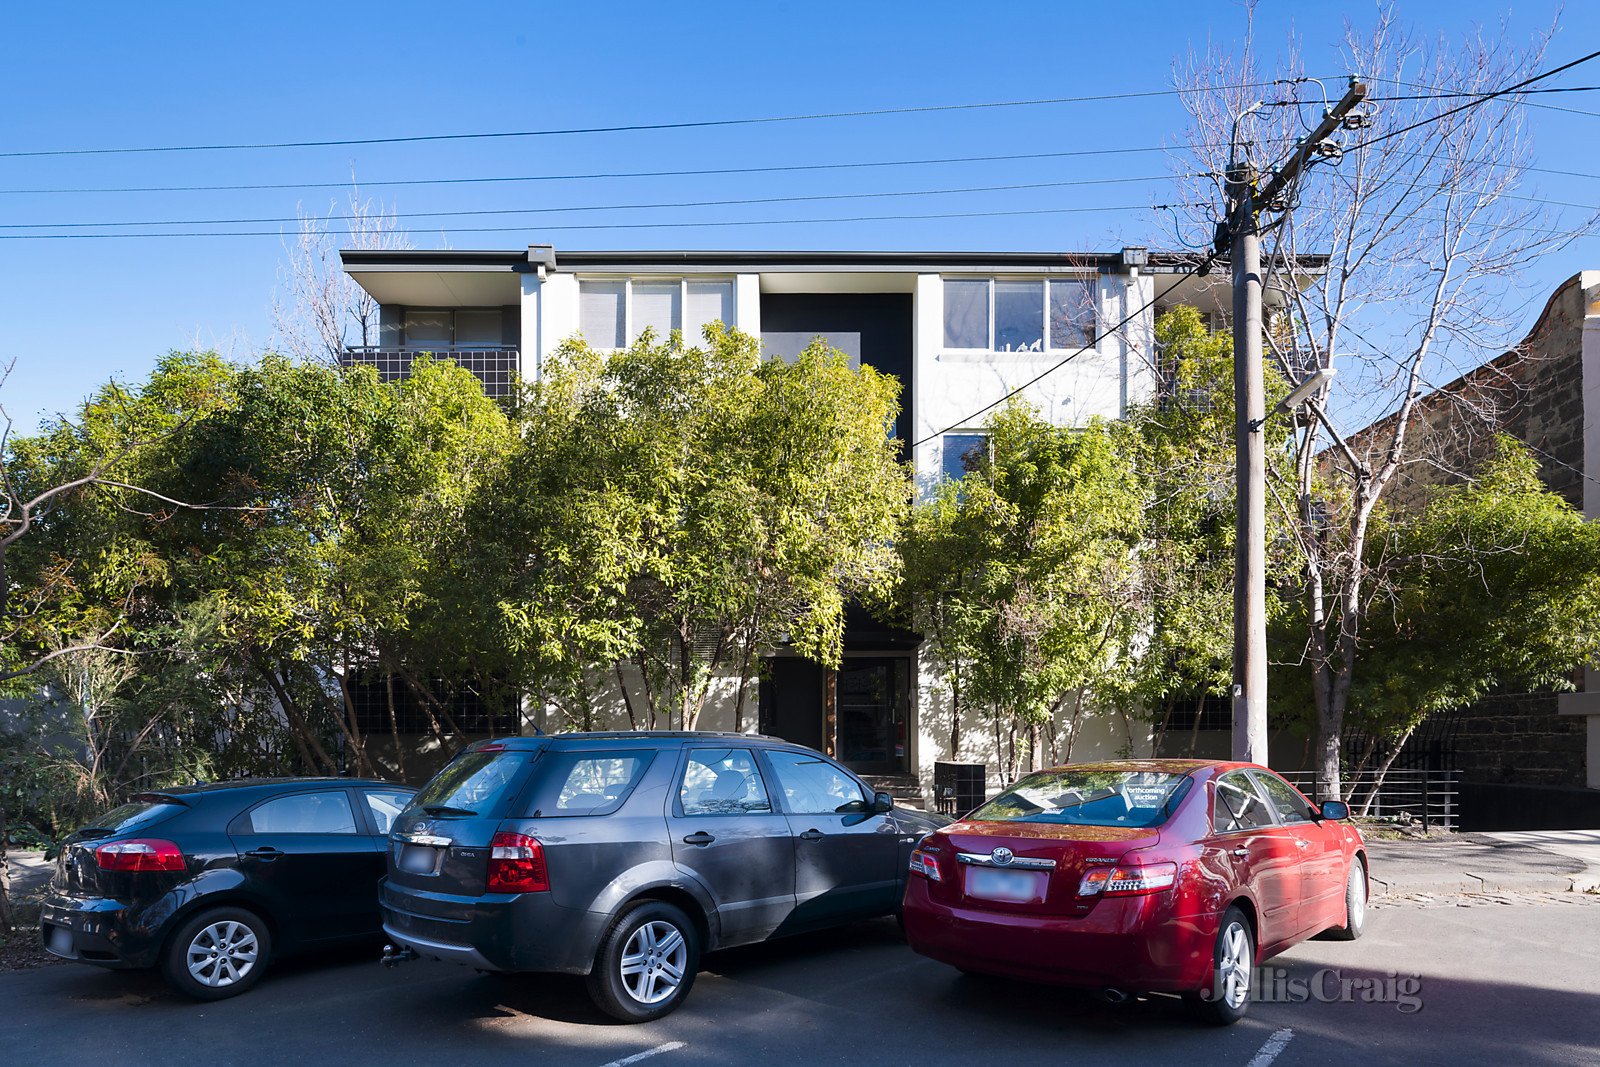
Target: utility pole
<point>1245,204</point>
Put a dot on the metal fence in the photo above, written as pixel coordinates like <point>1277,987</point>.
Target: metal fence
<point>1403,795</point>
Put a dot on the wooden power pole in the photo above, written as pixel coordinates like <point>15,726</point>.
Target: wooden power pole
<point>1245,204</point>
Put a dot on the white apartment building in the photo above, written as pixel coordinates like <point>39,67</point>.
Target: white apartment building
<point>959,329</point>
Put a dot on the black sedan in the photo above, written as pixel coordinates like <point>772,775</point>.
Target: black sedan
<point>210,882</point>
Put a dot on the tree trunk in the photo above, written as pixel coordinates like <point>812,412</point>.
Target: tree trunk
<point>426,697</point>
<point>1383,769</point>
<point>955,710</point>
<point>744,680</point>
<point>358,743</point>
<point>394,727</point>
<point>317,760</point>
<point>627,699</point>
<point>8,925</point>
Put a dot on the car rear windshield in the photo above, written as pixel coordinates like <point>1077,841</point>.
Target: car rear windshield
<point>137,813</point>
<point>474,783</point>
<point>1089,798</point>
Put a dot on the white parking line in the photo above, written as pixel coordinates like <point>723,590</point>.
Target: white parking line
<point>1269,1052</point>
<point>670,1046</point>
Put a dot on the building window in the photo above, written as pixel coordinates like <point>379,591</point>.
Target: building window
<point>612,314</point>
<point>602,313</point>
<point>440,329</point>
<point>961,453</point>
<point>1019,315</point>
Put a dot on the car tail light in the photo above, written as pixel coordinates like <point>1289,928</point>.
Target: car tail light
<point>926,864</point>
<point>1125,881</point>
<point>142,854</point>
<point>516,864</point>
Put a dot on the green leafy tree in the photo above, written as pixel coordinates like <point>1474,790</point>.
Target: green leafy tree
<point>1022,573</point>
<point>687,507</point>
<point>1184,443</point>
<point>1491,583</point>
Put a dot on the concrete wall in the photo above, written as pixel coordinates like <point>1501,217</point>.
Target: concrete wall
<point>1101,734</point>
<point>1099,383</point>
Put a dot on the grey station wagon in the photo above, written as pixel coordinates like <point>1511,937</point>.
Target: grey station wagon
<point>624,856</point>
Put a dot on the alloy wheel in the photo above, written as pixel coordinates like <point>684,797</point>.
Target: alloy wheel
<point>1358,897</point>
<point>653,962</point>
<point>222,953</point>
<point>1233,969</point>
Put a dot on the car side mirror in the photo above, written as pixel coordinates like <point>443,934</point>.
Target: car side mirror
<point>882,803</point>
<point>1335,809</point>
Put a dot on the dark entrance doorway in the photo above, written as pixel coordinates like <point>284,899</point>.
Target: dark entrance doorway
<point>791,701</point>
<point>859,714</point>
<point>873,701</point>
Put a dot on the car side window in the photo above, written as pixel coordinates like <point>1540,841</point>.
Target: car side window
<point>1238,805</point>
<point>722,781</point>
<point>385,804</point>
<point>597,784</point>
<point>305,813</point>
<point>1291,806</point>
<point>813,786</point>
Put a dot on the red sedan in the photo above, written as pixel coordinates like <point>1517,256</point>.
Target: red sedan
<point>1138,876</point>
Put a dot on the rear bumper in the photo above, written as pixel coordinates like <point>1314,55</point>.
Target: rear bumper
<point>99,931</point>
<point>493,932</point>
<point>1131,943</point>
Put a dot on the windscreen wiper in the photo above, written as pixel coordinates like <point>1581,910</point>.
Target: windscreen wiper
<point>446,809</point>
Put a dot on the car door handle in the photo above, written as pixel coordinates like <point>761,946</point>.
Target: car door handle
<point>265,852</point>
<point>1302,844</point>
<point>1240,852</point>
<point>812,835</point>
<point>699,837</point>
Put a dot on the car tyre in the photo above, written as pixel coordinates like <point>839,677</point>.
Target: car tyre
<point>219,953</point>
<point>646,963</point>
<point>1355,904</point>
<point>1227,998</point>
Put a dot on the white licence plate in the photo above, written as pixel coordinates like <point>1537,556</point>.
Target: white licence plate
<point>1014,887</point>
<point>61,941</point>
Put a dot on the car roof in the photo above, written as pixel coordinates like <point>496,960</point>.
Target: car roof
<point>199,789</point>
<point>1163,764</point>
<point>520,743</point>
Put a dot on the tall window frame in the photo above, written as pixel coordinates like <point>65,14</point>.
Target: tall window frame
<point>630,318</point>
<point>1047,343</point>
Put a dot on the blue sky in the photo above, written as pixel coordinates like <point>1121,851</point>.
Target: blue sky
<point>129,75</point>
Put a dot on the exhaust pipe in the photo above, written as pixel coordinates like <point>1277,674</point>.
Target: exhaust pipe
<point>394,957</point>
<point>1112,995</point>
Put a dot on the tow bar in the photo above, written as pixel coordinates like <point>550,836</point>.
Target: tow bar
<point>394,957</point>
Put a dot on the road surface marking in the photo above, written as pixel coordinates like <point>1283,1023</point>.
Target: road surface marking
<point>670,1046</point>
<point>1269,1052</point>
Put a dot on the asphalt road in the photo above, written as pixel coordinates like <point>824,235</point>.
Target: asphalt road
<point>1499,982</point>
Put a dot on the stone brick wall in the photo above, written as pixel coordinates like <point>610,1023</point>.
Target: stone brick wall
<point>1520,738</point>
<point>1534,393</point>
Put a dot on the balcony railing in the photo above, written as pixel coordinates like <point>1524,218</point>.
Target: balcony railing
<point>496,366</point>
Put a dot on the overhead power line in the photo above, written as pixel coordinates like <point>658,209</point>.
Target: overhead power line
<point>637,127</point>
<point>718,223</point>
<point>470,212</point>
<point>592,176</point>
<point>1476,102</point>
